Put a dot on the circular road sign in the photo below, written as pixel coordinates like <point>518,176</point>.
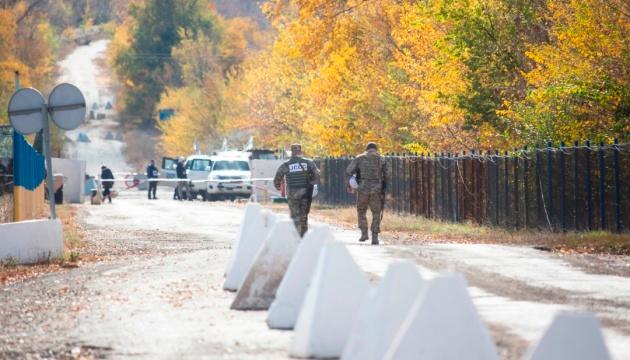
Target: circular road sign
<point>67,106</point>
<point>25,111</point>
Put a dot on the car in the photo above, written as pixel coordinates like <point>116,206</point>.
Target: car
<point>198,168</point>
<point>230,176</point>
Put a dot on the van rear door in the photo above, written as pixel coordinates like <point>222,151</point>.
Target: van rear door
<point>169,169</point>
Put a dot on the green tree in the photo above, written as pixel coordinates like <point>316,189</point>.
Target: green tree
<point>490,38</point>
<point>147,66</point>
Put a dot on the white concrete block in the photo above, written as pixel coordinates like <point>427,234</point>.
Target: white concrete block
<point>249,244</point>
<point>31,241</point>
<point>383,312</point>
<point>264,276</point>
<point>251,211</point>
<point>73,179</point>
<point>571,336</point>
<point>443,324</point>
<point>285,308</point>
<point>331,304</point>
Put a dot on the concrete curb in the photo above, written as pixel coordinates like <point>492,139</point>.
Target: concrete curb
<point>31,241</point>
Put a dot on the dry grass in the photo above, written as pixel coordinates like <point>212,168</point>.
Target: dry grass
<point>73,236</point>
<point>407,229</point>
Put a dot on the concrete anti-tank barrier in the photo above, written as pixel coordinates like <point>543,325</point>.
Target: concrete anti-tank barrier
<point>31,241</point>
<point>258,290</point>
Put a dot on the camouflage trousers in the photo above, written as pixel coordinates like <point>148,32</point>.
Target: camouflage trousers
<point>373,201</point>
<point>299,208</point>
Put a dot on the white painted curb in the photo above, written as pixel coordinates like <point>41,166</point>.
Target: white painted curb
<point>31,241</point>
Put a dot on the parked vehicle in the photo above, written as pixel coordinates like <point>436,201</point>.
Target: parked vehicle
<point>230,176</point>
<point>198,169</point>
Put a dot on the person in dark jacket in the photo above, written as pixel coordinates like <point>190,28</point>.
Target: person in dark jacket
<point>182,185</point>
<point>106,177</point>
<point>152,173</point>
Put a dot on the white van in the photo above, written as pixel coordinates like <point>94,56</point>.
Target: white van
<point>198,168</point>
<point>230,176</point>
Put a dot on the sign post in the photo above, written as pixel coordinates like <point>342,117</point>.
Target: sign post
<point>28,113</point>
<point>47,156</point>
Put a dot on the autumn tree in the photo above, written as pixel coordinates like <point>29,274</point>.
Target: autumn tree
<point>580,85</point>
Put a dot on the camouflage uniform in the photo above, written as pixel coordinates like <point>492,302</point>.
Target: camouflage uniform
<point>371,171</point>
<point>301,174</point>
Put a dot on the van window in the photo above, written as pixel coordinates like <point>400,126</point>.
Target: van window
<point>231,165</point>
<point>199,164</point>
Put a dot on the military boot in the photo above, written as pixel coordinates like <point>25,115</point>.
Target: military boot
<point>374,238</point>
<point>364,236</point>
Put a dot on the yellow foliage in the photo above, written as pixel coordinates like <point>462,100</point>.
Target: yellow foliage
<point>27,49</point>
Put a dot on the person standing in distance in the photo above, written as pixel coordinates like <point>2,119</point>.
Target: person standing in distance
<point>106,179</point>
<point>182,184</point>
<point>301,177</point>
<point>370,169</point>
<point>152,173</point>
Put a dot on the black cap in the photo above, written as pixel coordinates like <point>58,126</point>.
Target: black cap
<point>371,145</point>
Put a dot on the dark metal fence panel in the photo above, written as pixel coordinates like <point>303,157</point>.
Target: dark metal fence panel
<point>565,188</point>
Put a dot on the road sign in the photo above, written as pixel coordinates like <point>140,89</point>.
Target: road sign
<point>67,106</point>
<point>28,113</point>
<point>25,110</point>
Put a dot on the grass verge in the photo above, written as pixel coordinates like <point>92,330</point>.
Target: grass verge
<point>409,229</point>
<point>73,237</point>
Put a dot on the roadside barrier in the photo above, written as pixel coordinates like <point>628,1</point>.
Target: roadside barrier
<point>247,248</point>
<point>286,306</point>
<point>335,312</point>
<point>257,292</point>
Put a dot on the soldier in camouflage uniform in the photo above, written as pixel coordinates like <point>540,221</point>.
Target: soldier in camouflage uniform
<point>301,175</point>
<point>371,172</point>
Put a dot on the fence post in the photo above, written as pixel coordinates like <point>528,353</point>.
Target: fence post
<point>526,185</point>
<point>457,192</point>
<point>496,187</point>
<point>589,195</point>
<point>436,204</point>
<point>473,187</point>
<point>550,184</point>
<point>465,194</point>
<point>602,187</point>
<point>575,184</point>
<point>479,188</point>
<point>562,188</point>
<point>516,193</point>
<point>449,183</point>
<point>429,186</point>
<point>617,188</point>
<point>506,180</point>
<point>538,189</point>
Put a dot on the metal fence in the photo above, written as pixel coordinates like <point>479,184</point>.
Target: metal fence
<point>580,187</point>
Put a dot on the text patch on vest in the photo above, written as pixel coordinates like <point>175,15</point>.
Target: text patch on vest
<point>297,167</point>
